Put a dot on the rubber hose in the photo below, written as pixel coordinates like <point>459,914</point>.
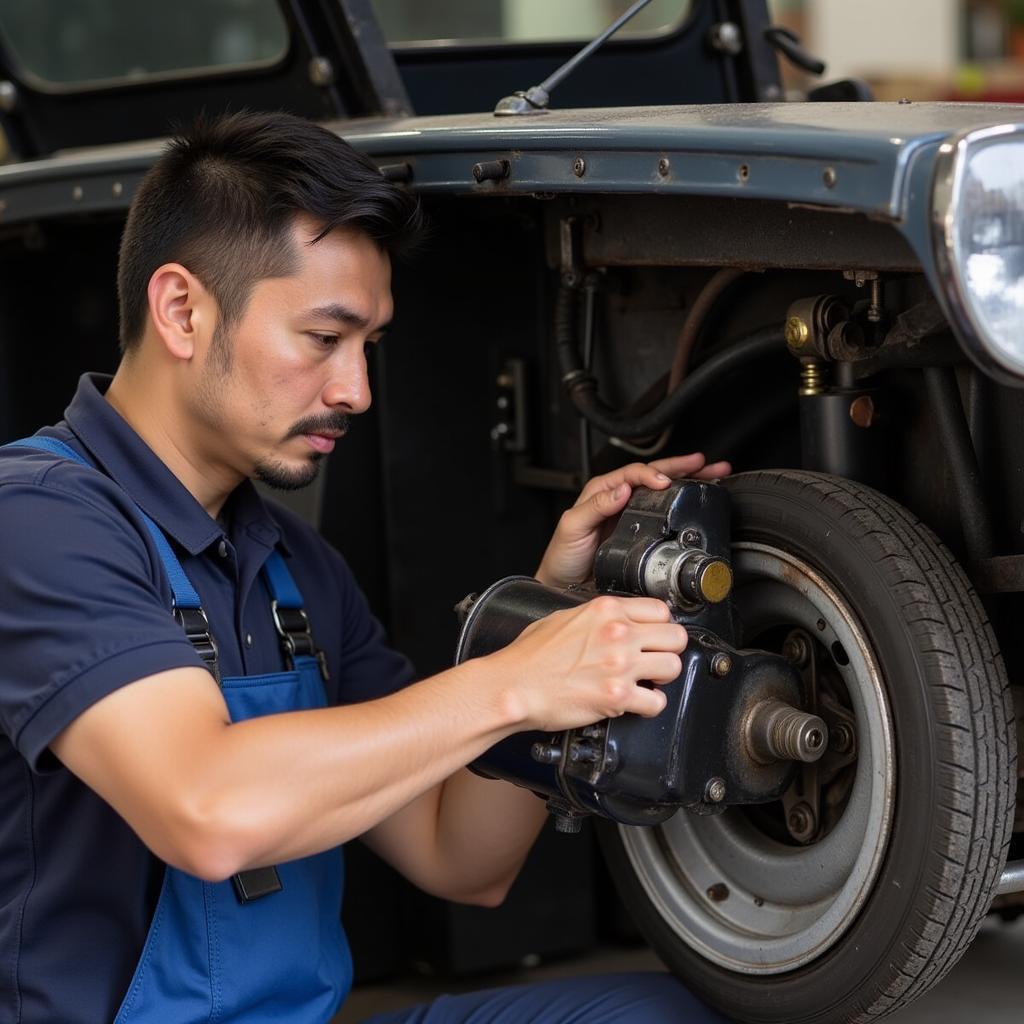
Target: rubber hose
<point>582,387</point>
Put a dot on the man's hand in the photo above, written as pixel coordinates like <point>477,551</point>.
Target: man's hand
<point>569,557</point>
<point>577,666</point>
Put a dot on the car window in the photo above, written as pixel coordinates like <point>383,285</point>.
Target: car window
<point>412,22</point>
<point>64,44</point>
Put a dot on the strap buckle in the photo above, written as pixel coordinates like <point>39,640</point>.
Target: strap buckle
<point>197,628</point>
<point>296,638</point>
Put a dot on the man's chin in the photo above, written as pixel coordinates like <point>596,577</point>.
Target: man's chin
<point>288,478</point>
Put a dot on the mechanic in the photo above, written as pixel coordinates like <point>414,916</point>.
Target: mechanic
<point>197,707</point>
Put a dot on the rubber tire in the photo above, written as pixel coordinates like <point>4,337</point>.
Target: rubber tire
<point>956,759</point>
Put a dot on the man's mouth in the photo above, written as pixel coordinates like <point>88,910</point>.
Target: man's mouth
<point>321,432</point>
<point>323,443</point>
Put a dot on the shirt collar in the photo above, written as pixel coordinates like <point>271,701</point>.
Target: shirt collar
<point>136,468</point>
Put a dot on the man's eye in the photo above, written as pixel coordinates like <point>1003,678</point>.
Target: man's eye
<point>327,340</point>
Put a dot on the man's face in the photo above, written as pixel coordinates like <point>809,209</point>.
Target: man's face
<point>276,389</point>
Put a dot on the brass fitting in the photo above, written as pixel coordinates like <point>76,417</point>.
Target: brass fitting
<point>812,378</point>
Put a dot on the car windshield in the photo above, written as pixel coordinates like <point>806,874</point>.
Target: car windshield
<point>443,22</point>
<point>64,44</point>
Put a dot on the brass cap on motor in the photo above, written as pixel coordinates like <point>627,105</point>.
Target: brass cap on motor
<point>714,581</point>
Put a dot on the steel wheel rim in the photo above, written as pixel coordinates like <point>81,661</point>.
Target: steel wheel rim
<point>785,906</point>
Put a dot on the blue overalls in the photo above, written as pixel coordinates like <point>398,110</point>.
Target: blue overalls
<point>266,946</point>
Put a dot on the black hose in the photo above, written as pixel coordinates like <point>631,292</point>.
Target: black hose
<point>955,438</point>
<point>582,387</point>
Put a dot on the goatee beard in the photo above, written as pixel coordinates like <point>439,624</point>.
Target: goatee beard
<point>288,478</point>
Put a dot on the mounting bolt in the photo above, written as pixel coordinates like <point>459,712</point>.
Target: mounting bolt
<point>579,167</point>
<point>546,753</point>
<point>491,170</point>
<point>801,822</point>
<point>725,37</point>
<point>714,790</point>
<point>842,738</point>
<point>664,167</point>
<point>721,665</point>
<point>795,650</point>
<point>321,72</point>
<point>691,537</point>
<point>828,176</point>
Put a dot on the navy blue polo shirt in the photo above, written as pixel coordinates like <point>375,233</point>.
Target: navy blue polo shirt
<point>85,608</point>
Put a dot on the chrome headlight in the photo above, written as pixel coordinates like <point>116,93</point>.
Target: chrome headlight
<point>978,221</point>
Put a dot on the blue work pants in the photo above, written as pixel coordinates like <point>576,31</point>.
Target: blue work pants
<point>636,998</point>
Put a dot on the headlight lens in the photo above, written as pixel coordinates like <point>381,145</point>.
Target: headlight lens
<point>980,217</point>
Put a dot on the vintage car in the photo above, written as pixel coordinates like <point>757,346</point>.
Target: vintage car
<point>666,256</point>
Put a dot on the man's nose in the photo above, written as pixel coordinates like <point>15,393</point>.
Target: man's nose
<point>349,385</point>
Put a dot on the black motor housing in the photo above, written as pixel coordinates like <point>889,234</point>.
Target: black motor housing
<point>698,752</point>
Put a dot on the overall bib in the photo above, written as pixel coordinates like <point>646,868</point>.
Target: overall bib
<point>266,946</point>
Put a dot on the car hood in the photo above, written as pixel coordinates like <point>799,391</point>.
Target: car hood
<point>852,155</point>
<point>849,156</point>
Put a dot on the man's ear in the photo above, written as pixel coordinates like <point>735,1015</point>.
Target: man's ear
<point>177,302</point>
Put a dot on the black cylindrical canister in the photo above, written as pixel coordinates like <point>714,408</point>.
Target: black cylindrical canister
<point>505,609</point>
<point>495,619</point>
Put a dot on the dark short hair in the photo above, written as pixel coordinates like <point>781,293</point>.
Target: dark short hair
<point>222,199</point>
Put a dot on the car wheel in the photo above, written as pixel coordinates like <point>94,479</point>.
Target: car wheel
<point>860,888</point>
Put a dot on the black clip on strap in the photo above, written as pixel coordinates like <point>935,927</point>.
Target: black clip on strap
<point>197,629</point>
<point>296,638</point>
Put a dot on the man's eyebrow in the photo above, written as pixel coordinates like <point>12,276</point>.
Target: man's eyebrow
<point>342,314</point>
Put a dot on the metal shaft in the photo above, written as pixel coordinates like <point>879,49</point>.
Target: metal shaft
<point>778,732</point>
<point>1012,878</point>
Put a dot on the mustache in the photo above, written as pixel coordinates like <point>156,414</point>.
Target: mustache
<point>326,423</point>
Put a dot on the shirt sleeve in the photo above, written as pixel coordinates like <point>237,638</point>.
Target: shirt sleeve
<point>370,666</point>
<point>82,609</point>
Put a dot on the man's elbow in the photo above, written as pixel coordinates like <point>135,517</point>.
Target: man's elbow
<point>209,846</point>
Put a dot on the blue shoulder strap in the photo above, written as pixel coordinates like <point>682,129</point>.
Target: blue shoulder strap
<point>286,605</point>
<point>283,588</point>
<point>185,595</point>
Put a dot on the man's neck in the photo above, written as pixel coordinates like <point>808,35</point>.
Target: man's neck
<point>153,414</point>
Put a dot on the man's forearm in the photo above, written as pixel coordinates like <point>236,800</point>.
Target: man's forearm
<point>464,840</point>
<point>214,797</point>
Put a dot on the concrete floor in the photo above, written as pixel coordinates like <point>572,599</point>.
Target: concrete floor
<point>986,987</point>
